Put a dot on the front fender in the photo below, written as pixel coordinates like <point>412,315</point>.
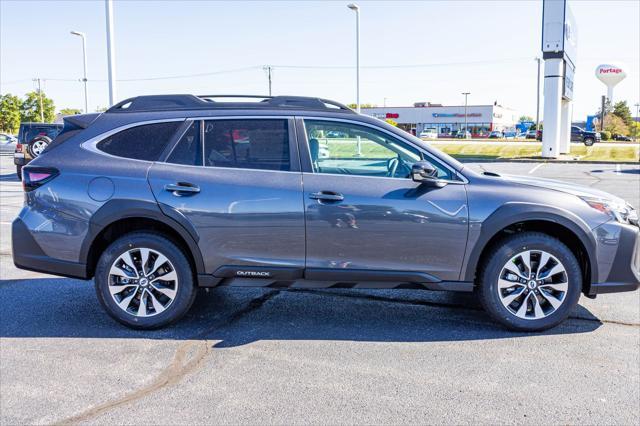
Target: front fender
<point>517,212</point>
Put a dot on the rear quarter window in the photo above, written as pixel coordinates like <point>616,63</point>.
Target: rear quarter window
<point>145,142</point>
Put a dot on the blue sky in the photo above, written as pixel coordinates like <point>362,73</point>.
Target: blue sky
<point>483,47</point>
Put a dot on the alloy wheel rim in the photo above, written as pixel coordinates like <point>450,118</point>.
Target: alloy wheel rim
<point>143,282</point>
<point>533,284</point>
<point>38,147</point>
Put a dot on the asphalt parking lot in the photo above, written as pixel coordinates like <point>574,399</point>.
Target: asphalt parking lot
<point>307,356</point>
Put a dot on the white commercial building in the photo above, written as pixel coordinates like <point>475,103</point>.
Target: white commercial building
<point>481,119</point>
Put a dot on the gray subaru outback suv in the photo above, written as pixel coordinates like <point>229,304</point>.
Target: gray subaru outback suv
<point>161,195</point>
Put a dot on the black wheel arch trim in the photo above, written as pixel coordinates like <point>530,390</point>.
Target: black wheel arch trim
<point>118,209</point>
<point>512,213</point>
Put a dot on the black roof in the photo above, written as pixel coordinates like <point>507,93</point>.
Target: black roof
<point>209,102</point>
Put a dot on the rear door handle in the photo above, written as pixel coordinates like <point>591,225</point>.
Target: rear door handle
<point>326,196</point>
<point>182,188</point>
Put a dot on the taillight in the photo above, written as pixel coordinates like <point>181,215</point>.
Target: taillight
<point>35,177</point>
<point>18,147</point>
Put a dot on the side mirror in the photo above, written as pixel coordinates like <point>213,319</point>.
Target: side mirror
<point>423,172</point>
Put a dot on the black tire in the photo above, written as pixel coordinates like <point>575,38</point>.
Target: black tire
<point>19,172</point>
<point>505,250</point>
<point>185,293</point>
<point>589,141</point>
<point>40,139</point>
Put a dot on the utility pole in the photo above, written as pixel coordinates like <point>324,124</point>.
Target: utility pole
<point>268,69</point>
<point>538,96</point>
<point>40,96</point>
<point>465,112</point>
<point>602,112</point>
<point>111,48</point>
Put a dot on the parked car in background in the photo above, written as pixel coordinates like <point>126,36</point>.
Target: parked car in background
<point>588,138</point>
<point>622,138</point>
<point>462,134</point>
<point>429,133</point>
<point>33,138</point>
<point>7,142</point>
<point>531,134</point>
<point>510,135</point>
<point>496,134</point>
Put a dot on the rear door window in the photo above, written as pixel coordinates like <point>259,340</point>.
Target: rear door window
<point>188,150</point>
<point>249,144</point>
<point>145,142</point>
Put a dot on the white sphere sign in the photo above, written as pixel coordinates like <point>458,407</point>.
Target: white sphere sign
<point>610,75</point>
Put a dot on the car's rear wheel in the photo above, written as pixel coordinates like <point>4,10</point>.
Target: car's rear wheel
<point>589,141</point>
<point>530,282</point>
<point>143,280</point>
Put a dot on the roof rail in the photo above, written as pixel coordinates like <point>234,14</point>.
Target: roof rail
<point>190,102</point>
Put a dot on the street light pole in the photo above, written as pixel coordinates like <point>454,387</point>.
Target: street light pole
<point>268,69</point>
<point>111,48</point>
<point>465,112</point>
<point>538,96</point>
<point>356,9</point>
<point>84,61</point>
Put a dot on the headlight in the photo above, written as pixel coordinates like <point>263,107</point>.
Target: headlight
<point>623,213</point>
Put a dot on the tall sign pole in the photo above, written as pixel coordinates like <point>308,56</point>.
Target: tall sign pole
<point>111,51</point>
<point>559,44</point>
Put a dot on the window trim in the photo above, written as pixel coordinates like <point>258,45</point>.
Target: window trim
<point>294,156</point>
<point>91,144</point>
<point>307,160</point>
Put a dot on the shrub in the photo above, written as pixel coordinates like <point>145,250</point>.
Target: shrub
<point>606,135</point>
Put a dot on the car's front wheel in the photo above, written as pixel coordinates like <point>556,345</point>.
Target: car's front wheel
<point>530,282</point>
<point>589,141</point>
<point>143,280</point>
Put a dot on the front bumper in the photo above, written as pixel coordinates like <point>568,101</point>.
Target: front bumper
<point>625,270</point>
<point>28,255</point>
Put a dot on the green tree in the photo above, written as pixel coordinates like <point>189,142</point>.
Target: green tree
<point>9,113</point>
<point>70,111</point>
<point>30,109</point>
<point>525,118</point>
<point>622,110</point>
<point>634,130</point>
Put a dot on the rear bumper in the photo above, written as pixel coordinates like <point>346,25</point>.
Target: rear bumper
<point>28,255</point>
<point>625,271</point>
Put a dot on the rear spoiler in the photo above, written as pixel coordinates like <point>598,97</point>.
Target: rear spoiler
<point>80,121</point>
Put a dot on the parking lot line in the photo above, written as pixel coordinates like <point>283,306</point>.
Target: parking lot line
<point>536,167</point>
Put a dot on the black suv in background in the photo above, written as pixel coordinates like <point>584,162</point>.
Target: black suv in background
<point>580,135</point>
<point>577,135</point>
<point>33,138</point>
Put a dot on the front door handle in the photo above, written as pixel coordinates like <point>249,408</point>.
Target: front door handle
<point>182,188</point>
<point>326,196</point>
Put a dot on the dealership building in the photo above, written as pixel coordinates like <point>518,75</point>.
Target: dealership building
<point>481,119</point>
